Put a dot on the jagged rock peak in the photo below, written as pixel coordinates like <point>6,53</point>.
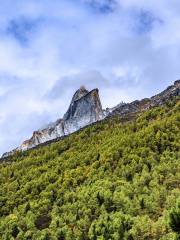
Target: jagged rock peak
<point>177,82</point>
<point>82,91</point>
<point>85,108</point>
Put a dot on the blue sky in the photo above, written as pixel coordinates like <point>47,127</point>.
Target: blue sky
<point>129,49</point>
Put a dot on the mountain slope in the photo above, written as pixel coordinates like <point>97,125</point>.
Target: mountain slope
<point>116,179</point>
<point>85,108</point>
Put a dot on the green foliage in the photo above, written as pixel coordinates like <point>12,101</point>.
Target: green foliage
<point>112,180</point>
<point>174,219</point>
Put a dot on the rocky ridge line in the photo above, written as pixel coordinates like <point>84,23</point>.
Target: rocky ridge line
<point>147,103</point>
<point>85,108</point>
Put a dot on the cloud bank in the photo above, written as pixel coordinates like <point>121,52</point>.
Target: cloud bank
<point>128,48</point>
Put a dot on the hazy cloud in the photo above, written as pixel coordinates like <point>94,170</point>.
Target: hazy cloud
<point>91,79</point>
<point>128,48</point>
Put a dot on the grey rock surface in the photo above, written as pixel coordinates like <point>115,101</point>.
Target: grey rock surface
<point>85,108</point>
<point>147,103</point>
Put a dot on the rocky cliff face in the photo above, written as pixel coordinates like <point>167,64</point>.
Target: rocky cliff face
<point>145,104</point>
<point>171,91</point>
<point>85,108</point>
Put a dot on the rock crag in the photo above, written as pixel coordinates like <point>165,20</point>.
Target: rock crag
<point>147,103</point>
<point>85,108</point>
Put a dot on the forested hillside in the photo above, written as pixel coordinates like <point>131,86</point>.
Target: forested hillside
<point>116,179</point>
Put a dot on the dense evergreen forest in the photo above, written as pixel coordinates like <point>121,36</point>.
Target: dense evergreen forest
<point>116,179</point>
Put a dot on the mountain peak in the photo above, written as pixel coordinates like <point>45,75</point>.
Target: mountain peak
<point>85,108</point>
<point>82,88</point>
<point>82,91</point>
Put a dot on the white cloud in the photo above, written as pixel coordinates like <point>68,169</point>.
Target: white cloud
<point>128,48</point>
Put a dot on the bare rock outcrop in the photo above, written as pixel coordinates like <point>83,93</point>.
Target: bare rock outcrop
<point>85,108</point>
<point>146,103</point>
